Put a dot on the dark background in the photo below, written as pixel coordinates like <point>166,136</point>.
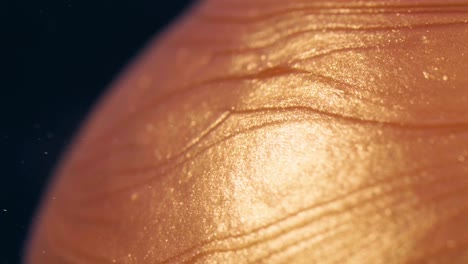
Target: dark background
<point>57,58</point>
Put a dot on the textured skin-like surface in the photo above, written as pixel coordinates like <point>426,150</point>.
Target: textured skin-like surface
<point>280,132</point>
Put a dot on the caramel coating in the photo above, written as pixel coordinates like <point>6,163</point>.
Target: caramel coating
<point>274,131</point>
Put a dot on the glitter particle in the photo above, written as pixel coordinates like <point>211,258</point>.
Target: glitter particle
<point>426,75</point>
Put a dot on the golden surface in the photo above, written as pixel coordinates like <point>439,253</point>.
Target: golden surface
<point>276,132</point>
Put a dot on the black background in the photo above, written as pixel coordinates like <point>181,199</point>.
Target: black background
<point>57,58</point>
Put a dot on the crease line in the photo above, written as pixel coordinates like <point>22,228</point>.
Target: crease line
<point>300,224</point>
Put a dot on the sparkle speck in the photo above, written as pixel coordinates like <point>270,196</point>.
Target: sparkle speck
<point>425,40</point>
<point>445,78</point>
<point>45,152</point>
<point>251,66</point>
<point>426,75</point>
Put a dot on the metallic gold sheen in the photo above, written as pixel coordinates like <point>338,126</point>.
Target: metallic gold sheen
<point>276,132</point>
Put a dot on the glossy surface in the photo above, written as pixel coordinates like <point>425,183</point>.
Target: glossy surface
<point>277,132</point>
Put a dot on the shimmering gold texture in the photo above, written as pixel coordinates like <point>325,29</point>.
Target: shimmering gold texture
<point>272,131</point>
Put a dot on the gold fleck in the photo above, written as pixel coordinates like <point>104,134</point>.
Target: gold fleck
<point>425,40</point>
<point>251,66</point>
<point>426,75</point>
